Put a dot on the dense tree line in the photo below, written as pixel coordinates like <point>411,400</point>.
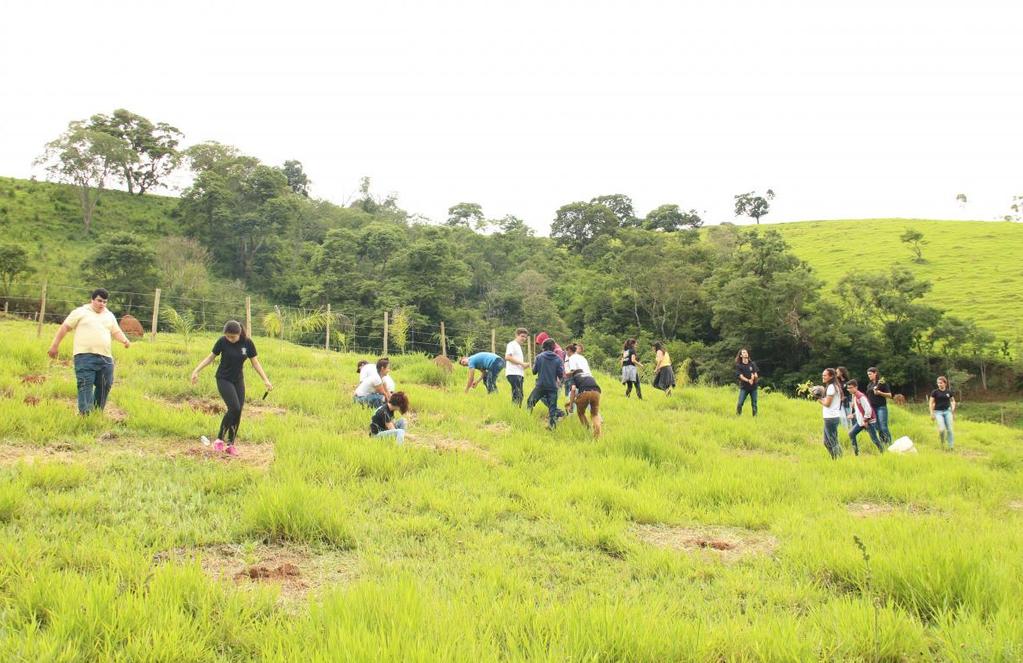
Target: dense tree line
<point>606,273</point>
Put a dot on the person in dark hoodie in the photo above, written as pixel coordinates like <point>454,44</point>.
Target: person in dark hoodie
<point>548,369</point>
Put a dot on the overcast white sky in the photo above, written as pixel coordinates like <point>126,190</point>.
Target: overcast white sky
<point>872,108</point>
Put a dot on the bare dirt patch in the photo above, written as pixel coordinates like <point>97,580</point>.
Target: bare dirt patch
<point>727,543</point>
<point>31,400</point>
<point>59,452</point>
<point>497,427</point>
<point>1016,505</point>
<point>115,414</point>
<point>867,509</point>
<point>260,456</point>
<point>447,445</point>
<point>33,379</point>
<point>444,363</point>
<point>298,571</point>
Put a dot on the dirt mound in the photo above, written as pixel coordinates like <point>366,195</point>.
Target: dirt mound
<point>729,543</point>
<point>131,326</point>
<point>1016,505</point>
<point>116,414</point>
<point>443,444</point>
<point>32,400</point>
<point>297,570</point>
<point>253,407</point>
<point>33,379</point>
<point>444,363</point>
<point>869,509</point>
<point>252,455</point>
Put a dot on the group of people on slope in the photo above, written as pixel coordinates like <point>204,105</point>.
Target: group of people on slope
<point>555,368</point>
<point>843,402</point>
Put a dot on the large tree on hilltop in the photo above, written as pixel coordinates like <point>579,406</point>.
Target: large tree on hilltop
<point>86,158</point>
<point>153,148</point>
<point>753,205</point>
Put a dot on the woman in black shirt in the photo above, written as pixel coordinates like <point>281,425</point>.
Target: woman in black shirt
<point>630,368</point>
<point>383,424</point>
<point>747,373</point>
<point>943,407</point>
<point>234,347</point>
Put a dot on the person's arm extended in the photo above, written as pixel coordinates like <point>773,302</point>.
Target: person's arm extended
<point>259,369</point>
<point>119,335</point>
<point>952,403</point>
<point>55,346</point>
<point>203,364</point>
<point>930,405</point>
<point>470,384</point>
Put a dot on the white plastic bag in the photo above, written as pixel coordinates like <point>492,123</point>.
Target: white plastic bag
<point>903,445</point>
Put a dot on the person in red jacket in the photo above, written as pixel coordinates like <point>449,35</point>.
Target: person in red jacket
<point>865,417</point>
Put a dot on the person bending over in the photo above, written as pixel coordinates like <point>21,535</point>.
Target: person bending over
<point>383,424</point>
<point>548,369</point>
<point>586,394</point>
<point>488,364</point>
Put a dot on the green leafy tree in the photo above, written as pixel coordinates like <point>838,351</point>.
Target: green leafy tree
<point>298,181</point>
<point>621,206</point>
<point>152,148</point>
<point>577,224</point>
<point>122,262</point>
<point>753,205</point>
<point>466,215</point>
<point>13,265</point>
<point>669,218</point>
<point>1015,209</point>
<point>85,158</point>
<point>915,240</point>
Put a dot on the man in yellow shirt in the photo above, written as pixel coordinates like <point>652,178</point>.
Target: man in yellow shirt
<point>93,325</point>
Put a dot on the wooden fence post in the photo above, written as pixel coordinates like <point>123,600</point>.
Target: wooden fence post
<point>248,317</point>
<point>385,334</point>
<point>493,340</point>
<point>42,311</point>
<point>326,343</point>
<point>443,341</point>
<point>156,314</point>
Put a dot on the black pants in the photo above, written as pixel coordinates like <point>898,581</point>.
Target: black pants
<point>516,387</point>
<point>628,388</point>
<point>234,397</point>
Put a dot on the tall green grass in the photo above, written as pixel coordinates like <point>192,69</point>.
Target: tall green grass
<point>486,537</point>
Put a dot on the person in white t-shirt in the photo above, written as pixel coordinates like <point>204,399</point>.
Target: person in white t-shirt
<point>831,403</point>
<point>576,366</point>
<point>515,364</point>
<point>94,325</point>
<point>372,391</point>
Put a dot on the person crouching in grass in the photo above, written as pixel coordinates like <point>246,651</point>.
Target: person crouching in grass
<point>548,369</point>
<point>383,424</point>
<point>865,417</point>
<point>586,393</point>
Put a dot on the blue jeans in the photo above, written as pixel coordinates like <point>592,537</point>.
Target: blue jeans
<point>398,432</point>
<point>549,397</point>
<point>490,375</point>
<point>94,375</point>
<point>831,437</point>
<point>374,400</point>
<point>871,428</point>
<point>944,420</point>
<point>882,425</point>
<point>743,393</point>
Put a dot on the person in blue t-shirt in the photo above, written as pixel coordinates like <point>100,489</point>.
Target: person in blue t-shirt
<point>488,364</point>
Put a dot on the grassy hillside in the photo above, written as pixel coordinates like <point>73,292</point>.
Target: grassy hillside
<point>684,534</point>
<point>972,265</point>
<point>46,219</point>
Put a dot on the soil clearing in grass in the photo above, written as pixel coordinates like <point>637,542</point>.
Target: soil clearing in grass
<point>254,408</point>
<point>260,456</point>
<point>298,571</point>
<point>727,543</point>
<point>868,509</point>
<point>443,445</point>
<point>33,379</point>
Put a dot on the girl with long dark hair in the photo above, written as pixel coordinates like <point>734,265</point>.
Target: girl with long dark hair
<point>630,368</point>
<point>832,411</point>
<point>234,347</point>
<point>748,375</point>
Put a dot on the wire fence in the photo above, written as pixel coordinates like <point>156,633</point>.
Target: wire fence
<point>325,328</point>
